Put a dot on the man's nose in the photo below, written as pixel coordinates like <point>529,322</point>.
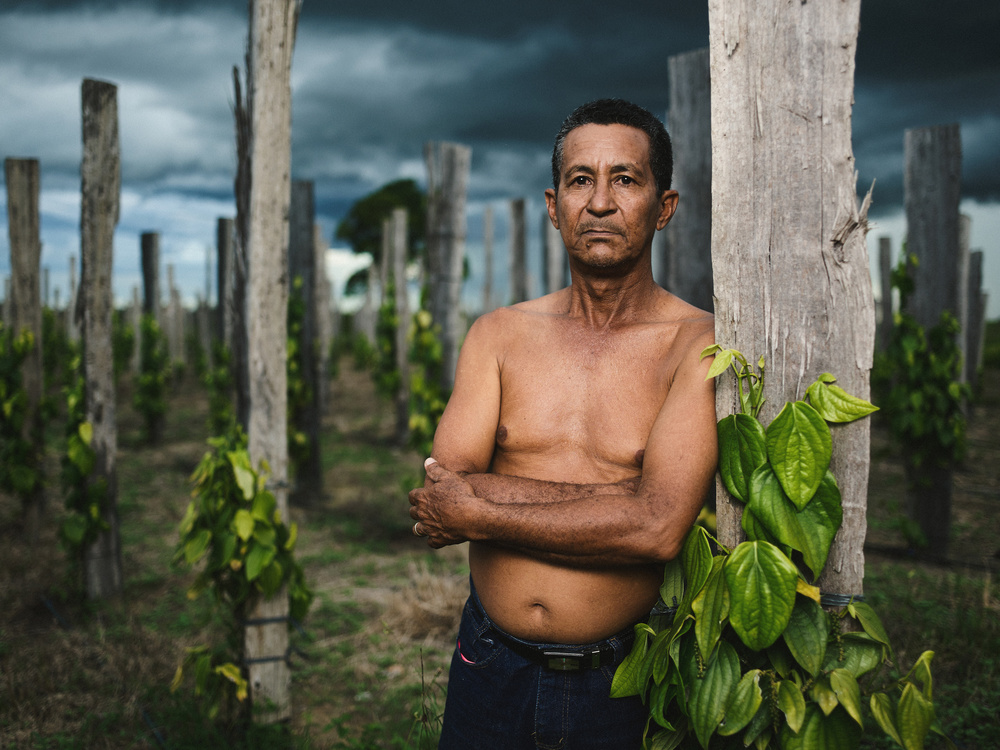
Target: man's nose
<point>602,200</point>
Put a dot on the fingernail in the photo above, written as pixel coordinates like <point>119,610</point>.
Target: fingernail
<point>429,461</point>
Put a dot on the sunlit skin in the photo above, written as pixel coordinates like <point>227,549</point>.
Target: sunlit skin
<point>579,442</point>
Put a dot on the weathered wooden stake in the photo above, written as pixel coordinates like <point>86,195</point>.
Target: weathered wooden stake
<point>688,257</point>
<point>271,44</point>
<point>885,304</point>
<point>447,176</point>
<point>976,329</point>
<point>25,310</point>
<point>324,325</point>
<point>518,253</point>
<point>72,324</point>
<point>224,268</point>
<point>792,282</point>
<point>398,255</point>
<point>149,243</point>
<point>100,191</point>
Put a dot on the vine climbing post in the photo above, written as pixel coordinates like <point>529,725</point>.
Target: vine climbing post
<point>788,236</point>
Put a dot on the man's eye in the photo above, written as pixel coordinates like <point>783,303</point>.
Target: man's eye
<point>625,180</point>
<point>580,180</point>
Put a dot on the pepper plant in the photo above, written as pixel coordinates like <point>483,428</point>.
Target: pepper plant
<point>20,459</point>
<point>751,657</point>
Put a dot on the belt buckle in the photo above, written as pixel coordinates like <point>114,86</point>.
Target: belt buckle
<point>568,661</point>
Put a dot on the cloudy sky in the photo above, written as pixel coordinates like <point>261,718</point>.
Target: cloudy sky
<point>374,80</point>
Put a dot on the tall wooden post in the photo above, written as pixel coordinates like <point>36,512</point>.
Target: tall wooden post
<point>976,329</point>
<point>135,320</point>
<point>150,249</point>
<point>518,253</point>
<point>554,262</point>
<point>885,279</point>
<point>932,187</point>
<point>302,265</point>
<point>398,255</point>
<point>488,259</point>
<point>688,261</point>
<point>447,177</point>
<point>324,326</point>
<point>72,324</point>
<point>788,238</point>
<point>269,60</point>
<point>100,190</point>
<point>225,248</point>
<point>25,309</point>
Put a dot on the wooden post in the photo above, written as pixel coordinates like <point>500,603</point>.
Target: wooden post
<point>932,186</point>
<point>302,264</point>
<point>174,319</point>
<point>488,259</point>
<point>964,232</point>
<point>72,324</point>
<point>25,310</point>
<point>135,320</point>
<point>792,282</point>
<point>976,317</point>
<point>269,60</point>
<point>398,256</point>
<point>225,248</point>
<point>150,249</point>
<point>554,264</point>
<point>518,253</point>
<point>100,190</point>
<point>447,176</point>
<point>688,258</point>
<point>885,279</point>
<point>324,328</point>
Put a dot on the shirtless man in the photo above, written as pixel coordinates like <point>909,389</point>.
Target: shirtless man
<point>574,456</point>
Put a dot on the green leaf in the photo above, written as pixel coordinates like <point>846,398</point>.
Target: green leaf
<point>792,704</point>
<point>270,578</point>
<point>74,528</point>
<point>265,535</point>
<point>243,524</point>
<point>625,681</point>
<point>711,608</point>
<point>835,404</point>
<point>86,432</point>
<point>196,545</point>
<point>848,693</point>
<point>743,703</point>
<point>723,358</point>
<point>916,714</point>
<point>742,449</point>
<point>257,559</point>
<point>823,696</point>
<point>799,447</point>
<point>885,714</point>
<point>710,694</point>
<point>807,634</point>
<point>202,669</point>
<point>857,654</point>
<point>667,740</point>
<point>761,584</point>
<point>697,558</point>
<point>819,732</point>
<point>869,620</point>
<point>672,588</point>
<point>263,507</point>
<point>244,480</point>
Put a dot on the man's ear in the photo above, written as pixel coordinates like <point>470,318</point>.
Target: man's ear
<point>550,204</point>
<point>668,204</point>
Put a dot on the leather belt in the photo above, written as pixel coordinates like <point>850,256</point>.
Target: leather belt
<point>568,658</point>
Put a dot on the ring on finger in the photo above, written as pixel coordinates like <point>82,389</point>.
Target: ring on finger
<point>415,531</point>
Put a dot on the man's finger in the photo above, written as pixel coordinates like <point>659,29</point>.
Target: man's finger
<point>435,471</point>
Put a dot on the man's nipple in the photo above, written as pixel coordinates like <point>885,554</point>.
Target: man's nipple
<point>639,455</point>
<point>501,434</point>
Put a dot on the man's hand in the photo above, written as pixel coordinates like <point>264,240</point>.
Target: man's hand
<point>439,506</point>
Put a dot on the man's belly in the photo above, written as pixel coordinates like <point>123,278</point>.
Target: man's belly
<point>549,603</point>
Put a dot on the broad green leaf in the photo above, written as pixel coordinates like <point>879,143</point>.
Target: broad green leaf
<point>270,578</point>
<point>823,695</point>
<point>921,672</point>
<point>757,532</point>
<point>835,404</point>
<point>781,658</point>
<point>792,704</point>
<point>860,655</point>
<point>264,505</point>
<point>672,588</point>
<point>243,524</point>
<point>74,528</point>
<point>799,447</point>
<point>743,703</point>
<point>187,523</point>
<point>869,620</point>
<point>244,480</point>
<point>265,535</point>
<point>759,726</point>
<point>625,681</point>
<point>196,546</point>
<point>916,714</point>
<point>660,697</point>
<point>741,450</point>
<point>848,693</point>
<point>761,584</point>
<point>808,590</point>
<point>667,740</point>
<point>257,559</point>
<point>723,358</point>
<point>819,732</point>
<point>711,608</point>
<point>710,694</point>
<point>293,535</point>
<point>659,656</point>
<point>86,432</point>
<point>697,557</point>
<point>807,634</point>
<point>885,714</point>
<point>202,669</point>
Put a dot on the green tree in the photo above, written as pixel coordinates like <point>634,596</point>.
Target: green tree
<point>362,227</point>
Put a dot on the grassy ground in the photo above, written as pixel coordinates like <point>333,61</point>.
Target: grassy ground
<point>379,636</point>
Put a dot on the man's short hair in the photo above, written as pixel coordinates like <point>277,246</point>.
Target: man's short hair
<point>620,112</point>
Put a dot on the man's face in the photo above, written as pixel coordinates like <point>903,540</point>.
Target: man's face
<point>607,207</point>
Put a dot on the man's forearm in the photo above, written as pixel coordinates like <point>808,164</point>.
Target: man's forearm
<point>504,489</point>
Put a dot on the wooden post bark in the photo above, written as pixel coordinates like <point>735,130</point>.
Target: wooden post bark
<point>447,177</point>
<point>100,191</point>
<point>976,319</point>
<point>554,263</point>
<point>932,187</point>
<point>302,264</point>
<point>398,255</point>
<point>224,268</point>
<point>885,279</point>
<point>269,61</point>
<point>488,304</point>
<point>150,249</point>
<point>518,253</point>
<point>688,257</point>
<point>72,324</point>
<point>25,310</point>
<point>324,327</point>
<point>788,246</point>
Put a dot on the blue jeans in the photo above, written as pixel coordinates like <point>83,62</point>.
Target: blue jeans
<point>499,700</point>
